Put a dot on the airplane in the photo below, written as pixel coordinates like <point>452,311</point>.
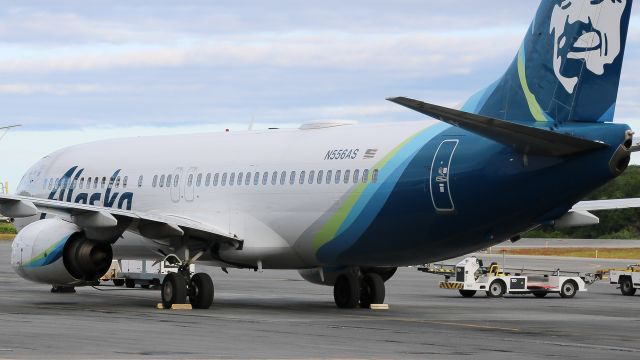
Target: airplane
<point>343,203</point>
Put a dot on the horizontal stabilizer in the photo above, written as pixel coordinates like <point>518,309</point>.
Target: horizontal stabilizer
<point>525,139</point>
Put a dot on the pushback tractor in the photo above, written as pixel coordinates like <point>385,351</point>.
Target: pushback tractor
<point>628,279</point>
<point>470,276</point>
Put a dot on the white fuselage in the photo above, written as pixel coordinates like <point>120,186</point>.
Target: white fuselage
<point>272,214</point>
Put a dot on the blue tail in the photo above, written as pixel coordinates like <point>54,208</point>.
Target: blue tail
<point>568,66</point>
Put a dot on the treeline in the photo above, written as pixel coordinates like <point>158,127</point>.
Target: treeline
<point>614,224</point>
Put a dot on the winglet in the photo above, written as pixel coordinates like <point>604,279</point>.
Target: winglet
<point>525,139</point>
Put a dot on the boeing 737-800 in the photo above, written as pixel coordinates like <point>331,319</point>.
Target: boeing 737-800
<point>344,203</point>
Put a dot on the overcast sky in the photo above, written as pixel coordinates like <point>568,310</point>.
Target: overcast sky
<point>75,71</point>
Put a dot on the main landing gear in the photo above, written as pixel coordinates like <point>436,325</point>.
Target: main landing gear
<point>178,286</point>
<point>352,290</point>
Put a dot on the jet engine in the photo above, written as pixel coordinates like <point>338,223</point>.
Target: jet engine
<point>57,252</point>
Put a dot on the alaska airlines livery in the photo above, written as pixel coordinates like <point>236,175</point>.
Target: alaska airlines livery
<point>345,204</point>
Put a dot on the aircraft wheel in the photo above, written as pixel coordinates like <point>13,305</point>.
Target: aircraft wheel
<point>467,293</point>
<point>372,290</point>
<point>346,291</point>
<point>130,283</point>
<point>497,289</point>
<point>539,294</point>
<point>201,291</point>
<point>626,286</point>
<point>174,290</point>
<point>569,289</point>
<point>118,282</point>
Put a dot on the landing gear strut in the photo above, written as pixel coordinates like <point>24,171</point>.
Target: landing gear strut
<point>176,287</point>
<point>351,290</point>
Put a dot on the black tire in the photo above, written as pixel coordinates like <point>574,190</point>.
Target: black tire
<point>346,291</point>
<point>626,286</point>
<point>201,291</point>
<point>118,282</point>
<point>568,289</point>
<point>467,293</point>
<point>540,294</point>
<point>496,289</point>
<point>145,286</point>
<point>130,283</point>
<point>174,290</point>
<point>372,290</point>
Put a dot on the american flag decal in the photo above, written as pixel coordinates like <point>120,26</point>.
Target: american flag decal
<point>370,153</point>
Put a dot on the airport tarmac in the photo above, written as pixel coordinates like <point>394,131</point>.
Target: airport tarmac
<point>275,314</point>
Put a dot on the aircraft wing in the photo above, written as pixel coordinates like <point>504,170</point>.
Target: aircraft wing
<point>594,205</point>
<point>160,227</point>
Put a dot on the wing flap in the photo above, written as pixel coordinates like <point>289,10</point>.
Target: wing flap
<point>525,139</point>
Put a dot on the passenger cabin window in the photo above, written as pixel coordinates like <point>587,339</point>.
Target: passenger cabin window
<point>232,178</point>
<point>74,183</point>
<point>274,178</point>
<point>103,183</point>
<point>312,174</point>
<point>265,178</point>
<point>365,176</point>
<point>190,180</point>
<point>223,182</point>
<point>215,179</point>
<point>176,180</point>
<point>207,180</point>
<point>89,183</point>
<point>319,180</point>
<point>347,176</point>
<point>240,177</point>
<point>356,175</point>
<point>374,176</point>
<point>199,180</point>
<point>140,181</point>
<point>95,182</point>
<point>155,181</point>
<point>247,179</point>
<point>81,182</point>
<point>292,178</point>
<point>161,181</point>
<point>118,181</point>
<point>302,174</point>
<point>124,181</point>
<point>283,176</point>
<point>338,176</point>
<point>329,176</point>
<point>169,180</point>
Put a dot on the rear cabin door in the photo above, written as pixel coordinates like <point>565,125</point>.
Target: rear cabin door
<point>440,175</point>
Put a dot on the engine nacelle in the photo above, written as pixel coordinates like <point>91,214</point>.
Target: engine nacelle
<point>328,276</point>
<point>56,252</point>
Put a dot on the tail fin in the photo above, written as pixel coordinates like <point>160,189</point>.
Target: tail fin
<point>568,66</point>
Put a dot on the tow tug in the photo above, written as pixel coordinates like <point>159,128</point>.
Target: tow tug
<point>470,276</point>
<point>628,279</point>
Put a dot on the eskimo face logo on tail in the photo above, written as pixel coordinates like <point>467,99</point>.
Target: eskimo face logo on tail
<point>598,24</point>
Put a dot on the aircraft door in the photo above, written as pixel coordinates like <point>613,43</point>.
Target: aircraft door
<point>189,183</point>
<point>176,184</point>
<point>440,175</point>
